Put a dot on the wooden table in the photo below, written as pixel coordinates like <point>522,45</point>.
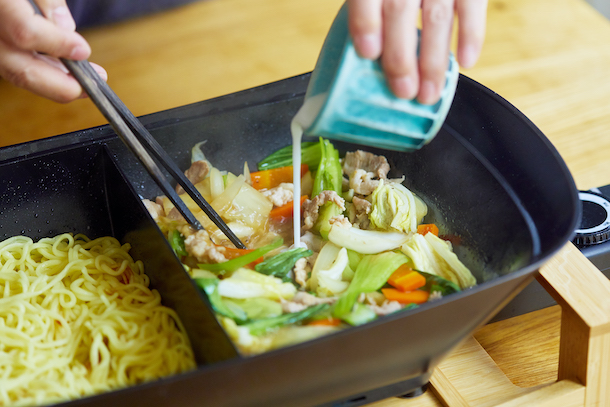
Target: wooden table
<point>549,58</point>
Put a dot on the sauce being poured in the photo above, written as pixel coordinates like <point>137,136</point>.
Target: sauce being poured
<point>303,119</point>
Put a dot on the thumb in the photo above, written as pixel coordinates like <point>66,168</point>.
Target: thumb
<point>58,12</point>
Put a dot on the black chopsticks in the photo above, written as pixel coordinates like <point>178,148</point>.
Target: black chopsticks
<point>141,143</point>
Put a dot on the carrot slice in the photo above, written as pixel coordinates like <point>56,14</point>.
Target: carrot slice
<point>409,297</point>
<point>427,227</point>
<point>455,240</point>
<point>325,322</point>
<point>272,178</point>
<point>231,253</point>
<point>406,279</point>
<point>285,211</point>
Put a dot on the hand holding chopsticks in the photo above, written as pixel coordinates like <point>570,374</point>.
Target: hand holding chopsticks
<point>142,144</point>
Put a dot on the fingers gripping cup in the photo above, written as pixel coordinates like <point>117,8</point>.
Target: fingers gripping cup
<point>348,99</point>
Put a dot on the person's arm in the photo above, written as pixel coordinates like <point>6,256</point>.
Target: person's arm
<point>388,29</point>
<point>25,36</point>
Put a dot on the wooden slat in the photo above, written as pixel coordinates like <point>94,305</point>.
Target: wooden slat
<point>584,294</point>
<point>564,393</point>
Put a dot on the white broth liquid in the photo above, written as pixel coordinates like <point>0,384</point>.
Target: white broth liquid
<point>302,120</point>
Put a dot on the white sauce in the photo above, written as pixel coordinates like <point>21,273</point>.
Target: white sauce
<point>303,119</point>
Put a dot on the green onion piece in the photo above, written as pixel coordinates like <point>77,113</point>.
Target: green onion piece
<point>176,241</point>
<point>281,264</point>
<point>262,326</point>
<point>436,283</point>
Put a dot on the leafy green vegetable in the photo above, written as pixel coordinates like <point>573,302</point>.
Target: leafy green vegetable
<point>241,261</point>
<point>326,212</point>
<point>433,255</point>
<point>327,272</point>
<point>246,283</point>
<point>255,308</point>
<point>210,287</point>
<point>409,306</point>
<point>241,203</point>
<point>310,155</point>
<point>291,335</point>
<point>198,155</point>
<point>459,272</point>
<point>281,264</point>
<point>361,314</point>
<point>371,274</point>
<point>436,283</point>
<point>366,241</point>
<point>354,258</point>
<point>264,325</point>
<point>396,208</point>
<point>329,176</point>
<point>176,241</point>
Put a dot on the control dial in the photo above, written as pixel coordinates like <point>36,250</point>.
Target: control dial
<point>595,224</point>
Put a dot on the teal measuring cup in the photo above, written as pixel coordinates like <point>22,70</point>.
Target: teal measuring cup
<point>348,99</point>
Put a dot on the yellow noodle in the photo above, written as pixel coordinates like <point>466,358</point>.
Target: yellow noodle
<point>77,318</point>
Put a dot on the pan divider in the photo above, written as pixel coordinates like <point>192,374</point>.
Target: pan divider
<point>470,377</point>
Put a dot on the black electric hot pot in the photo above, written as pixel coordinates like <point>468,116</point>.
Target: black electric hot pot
<point>490,177</point>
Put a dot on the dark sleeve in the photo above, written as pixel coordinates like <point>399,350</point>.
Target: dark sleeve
<point>88,13</point>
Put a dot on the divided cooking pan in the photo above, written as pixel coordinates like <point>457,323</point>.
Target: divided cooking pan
<point>490,177</point>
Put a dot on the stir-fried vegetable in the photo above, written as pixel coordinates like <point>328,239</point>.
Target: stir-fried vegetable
<point>210,287</point>
<point>255,308</point>
<point>366,241</point>
<point>241,261</point>
<point>439,285</point>
<point>242,203</point>
<point>310,155</point>
<point>406,279</point>
<point>246,283</point>
<point>427,228</point>
<point>264,325</point>
<point>285,211</point>
<point>360,314</point>
<point>329,176</point>
<point>371,274</point>
<point>176,241</point>
<point>328,211</point>
<point>409,297</point>
<point>272,178</point>
<point>281,264</point>
<point>432,254</point>
<point>369,252</point>
<point>396,208</point>
<point>327,273</point>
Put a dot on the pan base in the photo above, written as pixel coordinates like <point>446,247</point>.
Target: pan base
<point>410,388</point>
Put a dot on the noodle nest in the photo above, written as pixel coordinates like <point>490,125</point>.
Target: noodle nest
<point>77,318</point>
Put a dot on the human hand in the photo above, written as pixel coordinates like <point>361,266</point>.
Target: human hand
<point>388,29</point>
<point>30,44</point>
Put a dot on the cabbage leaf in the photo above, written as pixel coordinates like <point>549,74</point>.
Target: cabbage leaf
<point>246,283</point>
<point>326,275</point>
<point>366,241</point>
<point>396,208</point>
<point>432,254</point>
<point>371,274</point>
